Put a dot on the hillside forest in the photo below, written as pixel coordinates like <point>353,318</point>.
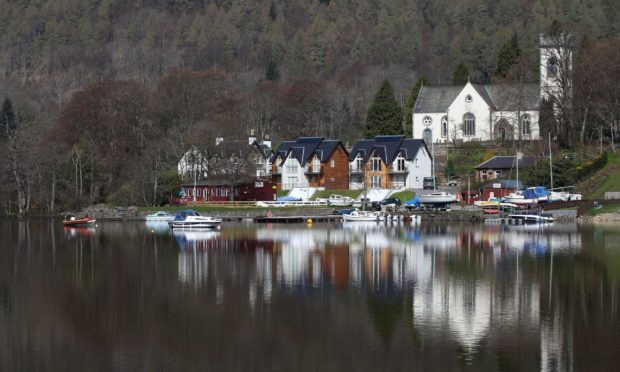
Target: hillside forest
<point>101,98</point>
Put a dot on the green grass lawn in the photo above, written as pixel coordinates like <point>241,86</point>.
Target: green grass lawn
<point>612,182</point>
<point>280,193</point>
<point>604,209</point>
<point>326,193</point>
<point>404,196</point>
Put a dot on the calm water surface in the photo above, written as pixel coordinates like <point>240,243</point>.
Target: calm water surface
<point>132,296</point>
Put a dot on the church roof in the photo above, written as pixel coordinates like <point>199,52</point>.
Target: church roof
<point>436,99</point>
<point>513,97</point>
<point>500,97</point>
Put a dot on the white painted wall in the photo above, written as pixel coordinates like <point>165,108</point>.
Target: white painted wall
<point>418,126</point>
<point>511,118</point>
<point>302,180</point>
<point>478,107</point>
<point>417,173</point>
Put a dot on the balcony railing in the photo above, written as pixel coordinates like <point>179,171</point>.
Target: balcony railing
<point>312,170</point>
<point>356,170</point>
<point>398,171</point>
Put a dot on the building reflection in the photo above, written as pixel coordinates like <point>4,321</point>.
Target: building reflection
<point>467,286</point>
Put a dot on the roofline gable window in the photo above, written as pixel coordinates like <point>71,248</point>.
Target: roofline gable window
<point>468,98</point>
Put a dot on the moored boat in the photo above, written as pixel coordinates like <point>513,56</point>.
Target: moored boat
<point>190,219</point>
<point>72,221</point>
<point>437,198</point>
<point>160,216</point>
<point>339,201</point>
<point>364,216</point>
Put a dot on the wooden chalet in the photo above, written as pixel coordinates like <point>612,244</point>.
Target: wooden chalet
<point>310,162</point>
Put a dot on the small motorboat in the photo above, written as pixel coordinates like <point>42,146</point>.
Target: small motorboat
<point>529,219</point>
<point>160,216</point>
<point>364,216</point>
<point>437,199</point>
<point>72,221</point>
<point>190,219</point>
<point>339,201</point>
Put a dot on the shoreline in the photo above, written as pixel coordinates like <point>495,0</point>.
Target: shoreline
<point>104,213</point>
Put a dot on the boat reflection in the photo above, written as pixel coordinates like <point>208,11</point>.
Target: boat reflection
<point>72,232</point>
<point>158,227</point>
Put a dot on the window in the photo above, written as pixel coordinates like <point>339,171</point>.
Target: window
<point>444,126</point>
<point>292,182</point>
<point>469,124</point>
<point>468,98</point>
<point>359,164</point>
<point>291,166</point>
<point>332,163</point>
<point>316,165</point>
<point>552,66</point>
<point>417,178</point>
<point>498,173</point>
<point>417,163</point>
<point>427,121</point>
<point>400,164</point>
<point>526,125</point>
<point>375,182</point>
<point>375,164</point>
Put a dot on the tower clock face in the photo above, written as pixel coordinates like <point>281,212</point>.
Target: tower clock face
<point>552,66</point>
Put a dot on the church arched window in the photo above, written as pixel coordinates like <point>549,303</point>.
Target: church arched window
<point>526,125</point>
<point>469,124</point>
<point>552,66</point>
<point>444,126</point>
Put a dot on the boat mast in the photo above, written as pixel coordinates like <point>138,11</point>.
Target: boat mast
<point>433,160</point>
<point>550,162</point>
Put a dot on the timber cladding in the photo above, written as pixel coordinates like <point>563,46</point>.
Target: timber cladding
<point>383,173</point>
<point>336,177</point>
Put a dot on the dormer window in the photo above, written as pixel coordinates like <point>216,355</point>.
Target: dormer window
<point>468,98</point>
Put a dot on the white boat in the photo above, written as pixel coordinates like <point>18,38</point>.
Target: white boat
<point>190,219</point>
<point>437,198</point>
<point>339,201</point>
<point>160,216</point>
<point>364,216</point>
<point>518,198</point>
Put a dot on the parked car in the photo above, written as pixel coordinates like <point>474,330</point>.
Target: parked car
<point>453,182</point>
<point>428,183</point>
<point>389,202</point>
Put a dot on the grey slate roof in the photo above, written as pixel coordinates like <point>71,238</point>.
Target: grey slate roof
<point>513,97</point>
<point>363,147</point>
<point>304,148</point>
<point>506,162</point>
<point>500,97</point>
<point>387,148</point>
<point>436,99</point>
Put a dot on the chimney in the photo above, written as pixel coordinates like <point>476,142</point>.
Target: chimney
<point>218,140</point>
<point>252,137</point>
<point>267,141</point>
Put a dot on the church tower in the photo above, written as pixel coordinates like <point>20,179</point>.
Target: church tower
<point>556,63</point>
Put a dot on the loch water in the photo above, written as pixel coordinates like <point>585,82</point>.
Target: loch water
<point>130,296</point>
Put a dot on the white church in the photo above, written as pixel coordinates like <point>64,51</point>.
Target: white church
<point>477,112</point>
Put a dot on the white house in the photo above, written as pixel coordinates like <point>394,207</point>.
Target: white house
<point>476,112</point>
<point>389,162</point>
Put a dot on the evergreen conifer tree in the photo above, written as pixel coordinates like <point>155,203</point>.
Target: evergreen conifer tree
<point>272,73</point>
<point>546,118</point>
<point>8,120</point>
<point>461,75</point>
<point>384,115</point>
<point>413,96</point>
<point>508,55</point>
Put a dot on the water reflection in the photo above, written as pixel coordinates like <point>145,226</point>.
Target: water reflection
<point>362,296</point>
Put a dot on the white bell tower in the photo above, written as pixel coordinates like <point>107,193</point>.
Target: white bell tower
<point>556,63</point>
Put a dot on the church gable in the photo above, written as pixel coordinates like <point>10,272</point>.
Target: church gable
<point>470,99</point>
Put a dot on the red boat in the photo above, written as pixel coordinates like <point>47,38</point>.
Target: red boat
<point>79,222</point>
